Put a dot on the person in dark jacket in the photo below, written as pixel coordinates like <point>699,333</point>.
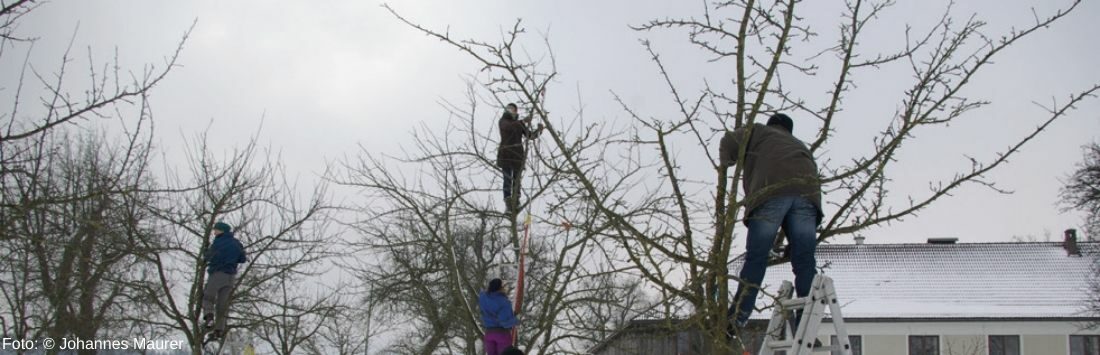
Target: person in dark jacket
<point>221,257</point>
<point>511,155</point>
<point>782,189</point>
<point>496,317</point>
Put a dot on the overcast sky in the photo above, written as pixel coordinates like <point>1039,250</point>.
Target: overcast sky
<point>326,76</point>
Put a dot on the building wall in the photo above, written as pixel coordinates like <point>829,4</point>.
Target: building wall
<point>1045,344</point>
<point>884,338</point>
<point>962,338</point>
<point>884,344</point>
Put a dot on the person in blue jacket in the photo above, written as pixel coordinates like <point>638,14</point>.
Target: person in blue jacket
<point>496,317</point>
<point>221,257</point>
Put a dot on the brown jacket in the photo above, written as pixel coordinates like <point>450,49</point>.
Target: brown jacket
<point>512,130</point>
<point>776,164</point>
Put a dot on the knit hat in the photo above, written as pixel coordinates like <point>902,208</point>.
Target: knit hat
<point>782,120</point>
<point>222,226</point>
<point>495,285</point>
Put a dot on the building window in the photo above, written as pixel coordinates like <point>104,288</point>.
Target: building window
<point>1084,345</point>
<point>854,340</point>
<point>924,345</point>
<point>1004,345</point>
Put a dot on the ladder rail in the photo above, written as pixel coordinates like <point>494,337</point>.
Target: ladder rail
<point>810,312</point>
<point>777,325</point>
<point>838,319</point>
<point>779,336</point>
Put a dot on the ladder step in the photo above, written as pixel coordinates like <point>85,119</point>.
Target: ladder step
<point>789,345</point>
<point>795,303</point>
<point>781,344</point>
<point>825,349</point>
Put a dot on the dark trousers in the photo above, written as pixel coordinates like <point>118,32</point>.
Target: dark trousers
<point>215,297</point>
<point>512,175</point>
<point>798,217</point>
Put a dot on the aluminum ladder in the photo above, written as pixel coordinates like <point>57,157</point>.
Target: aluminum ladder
<point>779,337</point>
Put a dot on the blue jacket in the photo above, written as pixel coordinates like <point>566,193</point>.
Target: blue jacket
<point>224,254</point>
<point>496,310</point>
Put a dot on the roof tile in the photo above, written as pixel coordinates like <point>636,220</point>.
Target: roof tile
<point>965,280</point>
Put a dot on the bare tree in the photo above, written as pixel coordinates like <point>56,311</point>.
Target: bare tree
<point>283,235</point>
<point>94,245</point>
<point>415,285</point>
<point>1082,189</point>
<point>678,237</point>
<point>71,259</point>
<point>108,96</point>
<point>291,317</point>
<point>434,240</point>
<point>353,329</point>
<point>68,221</point>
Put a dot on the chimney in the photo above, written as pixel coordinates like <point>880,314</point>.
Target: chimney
<point>942,240</point>
<point>1071,243</point>
<point>860,239</point>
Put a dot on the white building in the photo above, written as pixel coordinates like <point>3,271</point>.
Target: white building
<point>937,298</point>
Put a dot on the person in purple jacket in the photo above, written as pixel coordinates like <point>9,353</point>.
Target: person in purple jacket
<point>496,317</point>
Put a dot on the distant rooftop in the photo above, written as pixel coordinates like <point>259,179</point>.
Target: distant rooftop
<point>1024,280</point>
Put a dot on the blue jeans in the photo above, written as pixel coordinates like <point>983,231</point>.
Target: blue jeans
<point>798,217</point>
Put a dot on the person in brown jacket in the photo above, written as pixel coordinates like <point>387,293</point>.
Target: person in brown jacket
<point>511,155</point>
<point>782,189</point>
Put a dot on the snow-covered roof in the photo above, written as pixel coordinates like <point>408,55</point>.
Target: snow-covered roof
<point>964,280</point>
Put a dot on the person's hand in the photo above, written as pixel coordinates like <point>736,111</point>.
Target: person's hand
<point>529,118</point>
<point>541,126</point>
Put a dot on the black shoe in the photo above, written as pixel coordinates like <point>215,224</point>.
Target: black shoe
<point>207,322</point>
